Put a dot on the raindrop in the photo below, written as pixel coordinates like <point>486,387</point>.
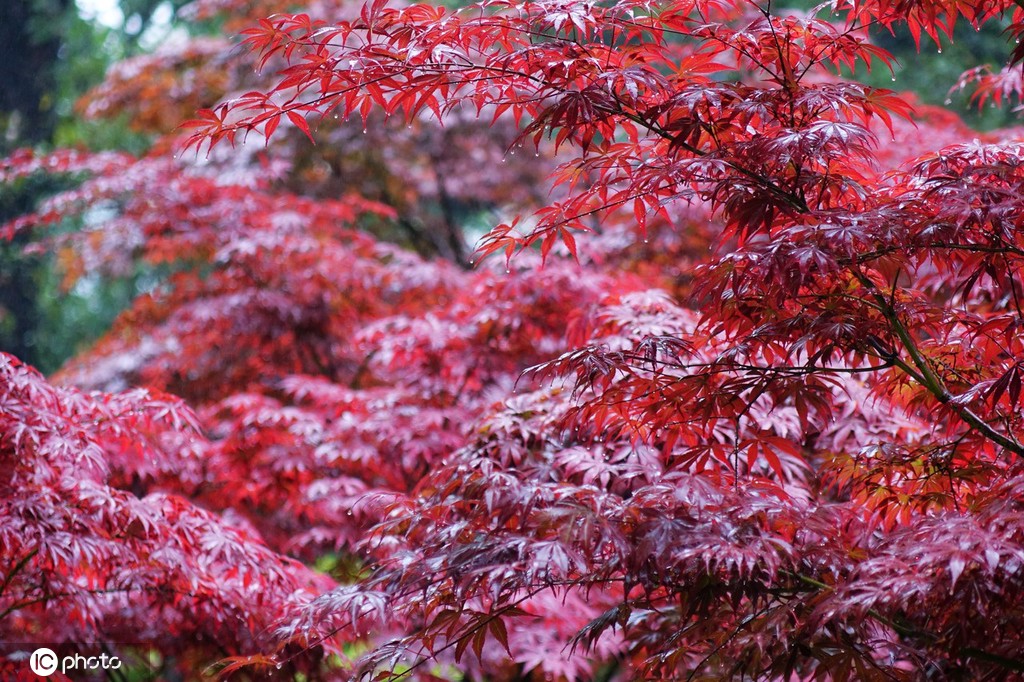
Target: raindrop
<point>894,79</point>
<point>948,101</point>
<point>277,665</point>
<point>513,152</point>
<point>507,271</point>
<point>646,240</point>
<point>940,50</point>
<point>364,131</point>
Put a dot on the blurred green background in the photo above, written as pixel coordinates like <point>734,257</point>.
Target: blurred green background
<point>52,52</point>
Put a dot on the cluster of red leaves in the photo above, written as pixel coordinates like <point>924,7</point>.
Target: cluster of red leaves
<point>86,560</point>
<point>779,438</point>
<point>154,91</point>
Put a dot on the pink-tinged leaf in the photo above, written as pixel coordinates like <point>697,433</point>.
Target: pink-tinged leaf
<point>956,568</point>
<point>500,633</point>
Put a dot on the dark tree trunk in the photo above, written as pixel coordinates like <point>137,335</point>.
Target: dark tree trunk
<point>30,42</point>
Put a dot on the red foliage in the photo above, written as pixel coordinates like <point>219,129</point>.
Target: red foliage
<point>745,404</point>
<point>83,555</point>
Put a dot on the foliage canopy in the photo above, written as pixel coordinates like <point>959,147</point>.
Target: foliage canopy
<point>741,399</point>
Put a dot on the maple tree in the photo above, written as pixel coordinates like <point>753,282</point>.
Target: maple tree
<point>742,399</point>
